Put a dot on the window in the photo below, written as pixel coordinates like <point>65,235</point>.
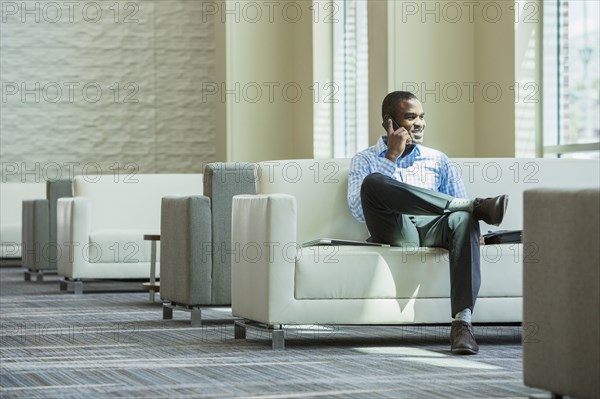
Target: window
<point>571,74</point>
<point>350,72</point>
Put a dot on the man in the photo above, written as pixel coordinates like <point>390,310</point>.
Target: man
<point>409,195</point>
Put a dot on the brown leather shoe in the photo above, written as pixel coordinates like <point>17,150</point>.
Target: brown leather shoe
<point>490,210</point>
<point>462,339</point>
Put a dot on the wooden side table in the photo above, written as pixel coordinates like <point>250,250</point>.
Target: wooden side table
<point>153,286</point>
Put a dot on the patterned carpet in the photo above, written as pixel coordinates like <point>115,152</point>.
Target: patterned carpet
<point>116,345</point>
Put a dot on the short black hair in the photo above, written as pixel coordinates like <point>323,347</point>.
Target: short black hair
<point>391,101</point>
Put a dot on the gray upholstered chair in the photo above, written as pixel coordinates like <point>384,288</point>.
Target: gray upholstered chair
<point>561,291</point>
<point>195,258</point>
<point>39,248</point>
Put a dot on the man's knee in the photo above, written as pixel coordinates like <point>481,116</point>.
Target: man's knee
<point>463,220</point>
<point>372,182</point>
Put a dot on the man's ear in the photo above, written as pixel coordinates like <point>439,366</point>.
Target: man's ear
<point>386,117</point>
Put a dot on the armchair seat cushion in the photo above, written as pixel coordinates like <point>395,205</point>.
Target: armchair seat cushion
<point>121,246</point>
<point>337,272</point>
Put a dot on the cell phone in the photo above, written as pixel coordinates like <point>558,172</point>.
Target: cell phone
<point>394,125</point>
<point>409,147</point>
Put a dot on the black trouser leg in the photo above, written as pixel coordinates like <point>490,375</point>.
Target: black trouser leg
<point>458,232</point>
<point>388,206</point>
<point>387,203</point>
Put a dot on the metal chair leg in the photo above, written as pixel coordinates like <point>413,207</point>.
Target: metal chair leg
<point>239,331</point>
<point>78,287</point>
<point>167,312</point>
<point>196,316</point>
<point>278,339</point>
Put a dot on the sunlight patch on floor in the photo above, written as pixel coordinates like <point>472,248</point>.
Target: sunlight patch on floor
<point>428,357</point>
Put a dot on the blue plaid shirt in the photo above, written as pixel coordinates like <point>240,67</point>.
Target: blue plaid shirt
<point>423,167</point>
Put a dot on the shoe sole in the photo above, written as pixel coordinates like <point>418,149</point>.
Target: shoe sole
<point>464,351</point>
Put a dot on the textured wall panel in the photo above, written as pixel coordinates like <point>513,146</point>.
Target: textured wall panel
<point>148,58</point>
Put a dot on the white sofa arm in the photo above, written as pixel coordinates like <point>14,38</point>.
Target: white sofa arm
<point>73,222</point>
<point>263,263</point>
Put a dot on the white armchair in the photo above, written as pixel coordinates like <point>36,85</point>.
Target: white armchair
<point>12,196</point>
<point>100,230</point>
<point>40,251</point>
<point>276,283</point>
<point>196,239</point>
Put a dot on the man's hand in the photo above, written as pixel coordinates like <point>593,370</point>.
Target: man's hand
<point>397,141</point>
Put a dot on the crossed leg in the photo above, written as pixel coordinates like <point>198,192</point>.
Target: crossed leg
<point>400,214</point>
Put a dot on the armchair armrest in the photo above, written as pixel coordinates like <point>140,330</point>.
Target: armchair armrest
<point>186,250</point>
<point>561,291</point>
<point>36,251</point>
<point>55,190</point>
<point>263,262</point>
<point>73,223</point>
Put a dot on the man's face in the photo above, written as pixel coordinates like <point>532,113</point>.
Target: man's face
<point>409,115</point>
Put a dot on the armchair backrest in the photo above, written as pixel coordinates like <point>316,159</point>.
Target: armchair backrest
<point>320,188</point>
<point>487,177</point>
<point>55,190</point>
<point>221,182</point>
<point>132,202</point>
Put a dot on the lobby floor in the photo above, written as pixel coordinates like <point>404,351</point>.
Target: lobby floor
<point>114,344</point>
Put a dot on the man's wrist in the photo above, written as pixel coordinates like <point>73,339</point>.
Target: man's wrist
<point>392,156</point>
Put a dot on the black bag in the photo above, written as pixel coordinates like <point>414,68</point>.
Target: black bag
<point>503,237</point>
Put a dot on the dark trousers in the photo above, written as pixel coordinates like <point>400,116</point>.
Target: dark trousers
<point>400,214</point>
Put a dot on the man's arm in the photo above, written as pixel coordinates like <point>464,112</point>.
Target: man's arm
<point>451,181</point>
<point>360,167</point>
